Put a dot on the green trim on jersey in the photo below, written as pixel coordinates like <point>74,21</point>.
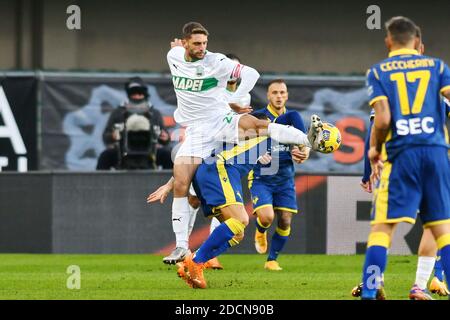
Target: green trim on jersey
<point>194,85</point>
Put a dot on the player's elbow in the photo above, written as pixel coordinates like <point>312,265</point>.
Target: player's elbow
<point>382,115</point>
<point>383,122</point>
<point>251,73</point>
<point>257,75</point>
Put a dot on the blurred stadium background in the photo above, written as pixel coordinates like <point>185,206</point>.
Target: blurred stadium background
<point>61,85</point>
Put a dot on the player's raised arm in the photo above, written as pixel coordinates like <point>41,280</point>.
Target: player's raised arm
<point>176,43</point>
<point>249,77</point>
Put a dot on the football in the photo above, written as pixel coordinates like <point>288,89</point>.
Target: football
<point>331,138</point>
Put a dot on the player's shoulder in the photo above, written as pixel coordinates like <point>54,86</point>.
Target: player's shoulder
<point>374,69</point>
<point>437,61</point>
<point>373,74</point>
<point>214,57</point>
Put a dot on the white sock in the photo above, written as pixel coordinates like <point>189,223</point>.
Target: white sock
<point>287,135</point>
<point>180,221</point>
<point>214,224</point>
<point>192,216</point>
<point>425,266</point>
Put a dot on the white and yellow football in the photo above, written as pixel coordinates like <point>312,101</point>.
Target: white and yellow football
<point>331,138</point>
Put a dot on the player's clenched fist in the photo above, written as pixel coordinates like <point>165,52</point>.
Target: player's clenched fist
<point>176,43</point>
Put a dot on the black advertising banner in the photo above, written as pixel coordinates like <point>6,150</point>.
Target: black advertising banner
<point>75,110</point>
<point>18,123</point>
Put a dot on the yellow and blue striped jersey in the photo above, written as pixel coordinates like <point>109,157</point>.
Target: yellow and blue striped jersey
<point>412,84</point>
<point>279,152</point>
<point>242,156</point>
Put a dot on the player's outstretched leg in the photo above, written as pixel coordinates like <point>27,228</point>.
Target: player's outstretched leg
<point>250,126</point>
<point>227,234</point>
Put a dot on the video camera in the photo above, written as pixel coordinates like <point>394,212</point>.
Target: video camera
<point>137,139</point>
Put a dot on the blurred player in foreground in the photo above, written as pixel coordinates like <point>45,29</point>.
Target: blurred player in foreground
<point>429,255</point>
<point>405,91</point>
<point>275,193</point>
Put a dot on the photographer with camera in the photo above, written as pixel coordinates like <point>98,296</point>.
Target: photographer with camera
<point>133,132</point>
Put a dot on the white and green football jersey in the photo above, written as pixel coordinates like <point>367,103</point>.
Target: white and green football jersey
<point>200,85</point>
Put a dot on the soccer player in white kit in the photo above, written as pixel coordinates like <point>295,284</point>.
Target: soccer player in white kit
<point>194,204</point>
<point>199,78</point>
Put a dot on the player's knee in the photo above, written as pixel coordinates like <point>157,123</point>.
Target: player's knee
<point>265,220</point>
<point>194,202</point>
<point>181,187</point>
<point>244,219</point>
<point>284,221</point>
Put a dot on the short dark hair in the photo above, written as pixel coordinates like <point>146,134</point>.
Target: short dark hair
<point>402,29</point>
<point>191,28</point>
<point>232,56</point>
<point>136,85</point>
<point>418,33</point>
<point>279,80</point>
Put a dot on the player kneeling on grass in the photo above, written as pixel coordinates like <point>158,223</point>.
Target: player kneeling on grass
<point>217,183</point>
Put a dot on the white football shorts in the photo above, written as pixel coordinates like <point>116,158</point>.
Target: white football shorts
<point>200,140</point>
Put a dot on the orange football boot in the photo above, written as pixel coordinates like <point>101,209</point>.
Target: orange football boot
<point>438,287</point>
<point>272,265</point>
<point>260,242</point>
<point>195,272</point>
<point>213,264</point>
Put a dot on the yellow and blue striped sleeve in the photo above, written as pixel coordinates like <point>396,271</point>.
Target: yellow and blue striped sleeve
<point>374,88</point>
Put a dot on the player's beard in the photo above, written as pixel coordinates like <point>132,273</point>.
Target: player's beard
<point>196,55</point>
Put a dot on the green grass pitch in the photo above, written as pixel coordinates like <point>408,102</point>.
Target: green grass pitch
<point>304,277</point>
